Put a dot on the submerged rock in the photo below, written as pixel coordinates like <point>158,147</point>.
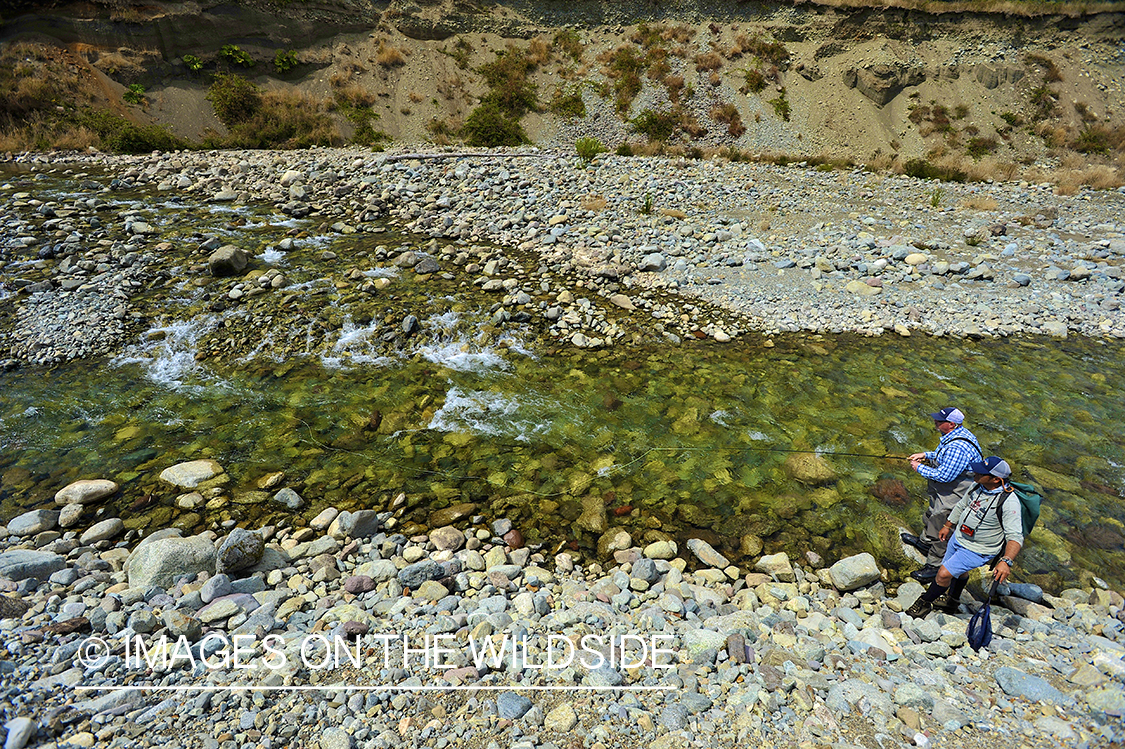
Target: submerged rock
<point>809,468</point>
<point>191,474</point>
<point>85,491</point>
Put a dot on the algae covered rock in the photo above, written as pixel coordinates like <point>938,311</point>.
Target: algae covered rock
<point>809,468</point>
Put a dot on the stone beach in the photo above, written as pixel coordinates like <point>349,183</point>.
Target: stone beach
<point>779,652</point>
<point>771,651</point>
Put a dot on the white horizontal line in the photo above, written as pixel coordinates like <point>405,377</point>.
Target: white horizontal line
<point>348,688</point>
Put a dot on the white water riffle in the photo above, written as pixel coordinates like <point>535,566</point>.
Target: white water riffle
<point>487,413</point>
<point>166,354</point>
<point>357,345</point>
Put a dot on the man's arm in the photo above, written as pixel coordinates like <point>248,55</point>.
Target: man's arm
<point>1003,569</point>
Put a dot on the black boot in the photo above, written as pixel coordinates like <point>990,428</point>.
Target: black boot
<point>926,574</point>
<point>952,602</point>
<point>917,543</point>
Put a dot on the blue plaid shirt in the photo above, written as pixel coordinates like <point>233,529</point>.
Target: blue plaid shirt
<point>952,456</point>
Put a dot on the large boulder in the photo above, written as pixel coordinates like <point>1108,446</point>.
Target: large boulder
<point>191,474</point>
<point>160,562</point>
<point>85,491</point>
<point>228,260</point>
<point>854,572</point>
<point>20,564</point>
<point>241,550</point>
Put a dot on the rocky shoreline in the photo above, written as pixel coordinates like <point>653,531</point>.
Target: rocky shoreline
<point>781,652</point>
<point>616,251</point>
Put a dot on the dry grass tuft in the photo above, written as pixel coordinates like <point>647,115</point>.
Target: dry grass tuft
<point>538,51</point>
<point>979,203</point>
<point>390,57</point>
<point>354,96</point>
<point>708,61</point>
<point>594,203</point>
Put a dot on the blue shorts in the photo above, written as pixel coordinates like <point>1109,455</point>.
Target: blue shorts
<point>959,560</point>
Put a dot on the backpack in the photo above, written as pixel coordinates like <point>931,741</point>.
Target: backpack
<point>1029,498</point>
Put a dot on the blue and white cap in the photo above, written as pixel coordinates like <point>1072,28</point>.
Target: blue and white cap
<point>992,466</point>
<point>949,414</point>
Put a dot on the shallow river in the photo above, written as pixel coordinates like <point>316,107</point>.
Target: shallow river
<point>683,440</point>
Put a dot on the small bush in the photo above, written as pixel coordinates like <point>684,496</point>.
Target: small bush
<point>538,52</point>
<point>1043,102</point>
<point>658,126</point>
<point>193,63</point>
<point>1091,140</point>
<point>771,52</point>
<point>461,52</point>
<point>235,55</point>
<point>729,116</point>
<point>284,60</point>
<point>134,94</point>
<point>119,134</point>
<point>509,86</point>
<point>674,84</point>
<point>624,66</point>
<point>979,147</point>
<point>923,169</point>
<point>1013,120</point>
<point>568,104</point>
<point>624,149</point>
<point>755,81</point>
<point>285,119</point>
<point>234,99</point>
<point>588,148</point>
<point>567,42</point>
<point>488,126</point>
<point>781,107</point>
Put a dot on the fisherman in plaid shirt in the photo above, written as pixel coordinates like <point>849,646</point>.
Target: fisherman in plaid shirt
<point>948,479</point>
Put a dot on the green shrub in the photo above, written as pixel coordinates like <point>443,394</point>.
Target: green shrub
<point>755,81</point>
<point>979,147</point>
<point>659,126</point>
<point>625,65</point>
<point>488,126</point>
<point>461,52</point>
<point>588,148</point>
<point>193,63</point>
<point>569,104</point>
<point>567,42</point>
<point>781,106</point>
<point>1013,120</point>
<point>282,119</point>
<point>624,149</point>
<point>508,83</point>
<point>284,60</point>
<point>121,135</point>
<point>923,169</point>
<point>234,99</point>
<point>134,94</point>
<point>1043,101</point>
<point>235,55</point>
<point>1091,140</point>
